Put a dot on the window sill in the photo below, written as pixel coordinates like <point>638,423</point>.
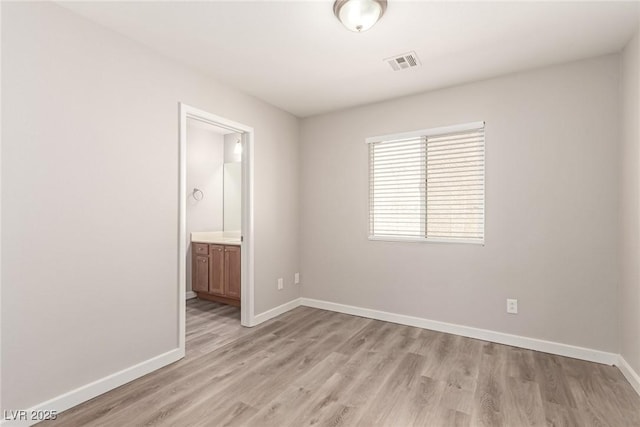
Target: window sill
<point>424,240</point>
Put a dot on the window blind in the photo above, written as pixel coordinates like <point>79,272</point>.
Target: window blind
<point>428,186</point>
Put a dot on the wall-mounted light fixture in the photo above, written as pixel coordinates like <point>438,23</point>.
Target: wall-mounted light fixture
<point>237,151</point>
<point>359,15</point>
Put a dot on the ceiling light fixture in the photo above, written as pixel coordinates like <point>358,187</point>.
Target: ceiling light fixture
<point>359,15</point>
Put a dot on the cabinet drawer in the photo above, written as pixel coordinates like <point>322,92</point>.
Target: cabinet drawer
<point>201,249</point>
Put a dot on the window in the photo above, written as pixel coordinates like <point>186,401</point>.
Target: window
<point>428,185</point>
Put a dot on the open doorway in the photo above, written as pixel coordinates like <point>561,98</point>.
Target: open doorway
<point>216,215</point>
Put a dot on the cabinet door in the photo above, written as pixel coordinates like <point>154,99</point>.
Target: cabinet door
<point>200,274</point>
<point>232,271</point>
<point>216,269</point>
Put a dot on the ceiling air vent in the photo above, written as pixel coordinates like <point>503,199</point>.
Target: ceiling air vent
<point>404,61</point>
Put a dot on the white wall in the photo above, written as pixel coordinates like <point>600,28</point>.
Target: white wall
<point>90,199</point>
<point>551,208</point>
<point>630,207</point>
<point>205,171</point>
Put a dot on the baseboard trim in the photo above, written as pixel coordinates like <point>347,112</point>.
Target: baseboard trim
<point>471,332</point>
<point>89,391</point>
<point>628,372</point>
<point>190,295</point>
<point>277,311</point>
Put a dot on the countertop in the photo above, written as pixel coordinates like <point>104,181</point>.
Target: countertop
<point>217,237</point>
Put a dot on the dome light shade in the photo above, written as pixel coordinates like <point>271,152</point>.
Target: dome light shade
<point>359,15</point>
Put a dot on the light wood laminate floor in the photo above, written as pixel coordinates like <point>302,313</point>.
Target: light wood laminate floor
<point>314,367</point>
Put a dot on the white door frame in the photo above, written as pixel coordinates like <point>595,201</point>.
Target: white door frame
<point>246,249</point>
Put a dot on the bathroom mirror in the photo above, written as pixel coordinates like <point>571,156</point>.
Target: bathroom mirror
<point>232,178</point>
<point>232,196</point>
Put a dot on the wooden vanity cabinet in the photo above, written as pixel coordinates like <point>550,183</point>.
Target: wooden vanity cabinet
<point>200,268</point>
<point>216,272</point>
<point>232,271</point>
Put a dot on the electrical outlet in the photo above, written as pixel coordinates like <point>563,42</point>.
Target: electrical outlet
<point>512,306</point>
<point>296,278</point>
<point>280,284</point>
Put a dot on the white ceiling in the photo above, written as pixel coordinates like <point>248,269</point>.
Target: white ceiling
<point>296,55</point>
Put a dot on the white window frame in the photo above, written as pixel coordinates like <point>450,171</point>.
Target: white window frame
<point>426,133</point>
